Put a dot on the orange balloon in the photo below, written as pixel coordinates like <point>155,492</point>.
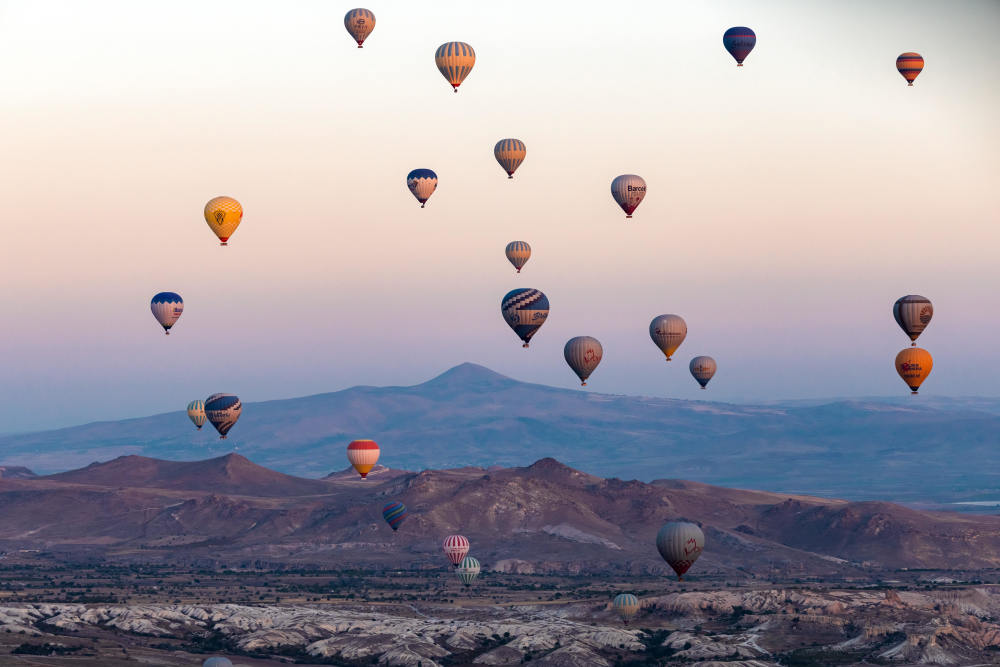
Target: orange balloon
<point>914,364</point>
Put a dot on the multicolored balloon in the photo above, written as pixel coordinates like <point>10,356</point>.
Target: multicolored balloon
<point>914,364</point>
<point>359,23</point>
<point>363,455</point>
<point>629,191</point>
<point>525,311</point>
<point>518,254</point>
<point>910,64</point>
<point>913,313</point>
<point>167,308</point>
<point>468,570</point>
<point>668,332</point>
<point>223,410</point>
<point>583,354</point>
<point>739,41</point>
<point>627,606</point>
<point>702,368</point>
<point>196,413</point>
<point>455,60</point>
<point>680,543</point>
<point>223,215</point>
<point>456,547</point>
<point>422,183</point>
<point>394,514</point>
<point>510,154</point>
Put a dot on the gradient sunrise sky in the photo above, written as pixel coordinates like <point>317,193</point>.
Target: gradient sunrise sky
<point>790,201</point>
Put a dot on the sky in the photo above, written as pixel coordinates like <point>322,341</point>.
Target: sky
<point>789,202</point>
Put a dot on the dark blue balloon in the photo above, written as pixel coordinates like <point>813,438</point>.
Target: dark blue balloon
<point>739,41</point>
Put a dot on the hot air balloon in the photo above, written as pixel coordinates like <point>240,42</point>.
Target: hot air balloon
<point>680,543</point>
<point>510,154</point>
<point>359,23</point>
<point>525,311</point>
<point>422,183</point>
<point>739,41</point>
<point>914,364</point>
<point>456,547</point>
<point>668,332</point>
<point>583,354</point>
<point>217,662</point>
<point>167,308</point>
<point>363,454</point>
<point>913,313</point>
<point>468,570</point>
<point>196,413</point>
<point>910,65</point>
<point>223,410</point>
<point>702,368</point>
<point>518,254</point>
<point>628,190</point>
<point>223,215</point>
<point>455,60</point>
<point>394,514</point>
<point>627,606</point>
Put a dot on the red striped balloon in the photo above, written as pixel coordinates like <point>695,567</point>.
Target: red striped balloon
<point>456,547</point>
<point>910,65</point>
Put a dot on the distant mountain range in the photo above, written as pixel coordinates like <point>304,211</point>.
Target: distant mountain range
<point>911,449</point>
<point>228,511</point>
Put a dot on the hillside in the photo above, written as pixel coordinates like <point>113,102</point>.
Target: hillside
<point>911,450</point>
<point>539,518</point>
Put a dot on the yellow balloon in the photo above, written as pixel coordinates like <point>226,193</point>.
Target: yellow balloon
<point>223,215</point>
<point>914,365</point>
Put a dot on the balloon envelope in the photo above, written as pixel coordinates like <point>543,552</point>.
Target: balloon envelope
<point>510,154</point>
<point>629,191</point>
<point>680,543</point>
<point>909,65</point>
<point>739,41</point>
<point>518,254</point>
<point>217,662</point>
<point>167,308</point>
<point>196,413</point>
<point>583,354</point>
<point>468,570</point>
<point>668,332</point>
<point>394,514</point>
<point>363,454</point>
<point>914,364</point>
<point>222,410</point>
<point>455,60</point>
<point>913,313</point>
<point>359,23</point>
<point>422,183</point>
<point>223,215</point>
<point>627,606</point>
<point>455,547</point>
<point>702,368</point>
<point>525,311</point>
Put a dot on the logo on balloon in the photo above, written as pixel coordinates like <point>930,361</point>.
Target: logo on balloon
<point>539,315</point>
<point>925,315</point>
<point>220,217</point>
<point>691,547</point>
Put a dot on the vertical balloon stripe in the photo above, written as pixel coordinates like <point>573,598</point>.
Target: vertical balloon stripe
<point>455,60</point>
<point>913,313</point>
<point>518,253</point>
<point>510,153</point>
<point>702,368</point>
<point>583,354</point>
<point>468,570</point>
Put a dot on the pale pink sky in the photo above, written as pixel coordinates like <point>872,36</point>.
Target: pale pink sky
<point>790,202</point>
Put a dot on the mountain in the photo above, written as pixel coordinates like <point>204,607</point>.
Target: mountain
<point>230,474</point>
<point>544,517</point>
<point>919,449</point>
<point>16,472</point>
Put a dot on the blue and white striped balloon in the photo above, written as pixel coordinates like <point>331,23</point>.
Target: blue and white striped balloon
<point>518,254</point>
<point>422,183</point>
<point>525,311</point>
<point>167,308</point>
